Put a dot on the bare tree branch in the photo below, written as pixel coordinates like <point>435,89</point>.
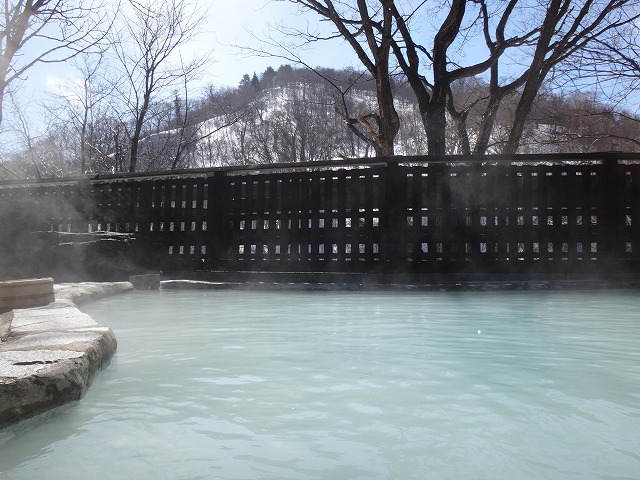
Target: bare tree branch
<point>60,29</point>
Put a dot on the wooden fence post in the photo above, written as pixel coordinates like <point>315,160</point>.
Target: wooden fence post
<point>394,211</point>
<point>611,204</point>
<point>218,238</point>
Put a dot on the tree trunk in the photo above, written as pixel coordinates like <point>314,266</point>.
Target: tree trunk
<point>437,119</point>
<point>83,131</point>
<point>436,123</point>
<point>389,121</point>
<point>135,139</point>
<point>522,114</point>
<point>537,72</point>
<point>486,126</point>
<point>2,87</point>
<point>389,124</point>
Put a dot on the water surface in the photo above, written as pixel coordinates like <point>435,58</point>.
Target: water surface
<point>352,385</point>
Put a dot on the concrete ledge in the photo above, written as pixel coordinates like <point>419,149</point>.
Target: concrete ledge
<point>396,282</point>
<point>53,352</point>
<point>26,293</point>
<point>149,281</point>
<point>5,324</point>
<point>196,285</point>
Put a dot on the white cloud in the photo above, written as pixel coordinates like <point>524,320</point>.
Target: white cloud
<point>68,88</point>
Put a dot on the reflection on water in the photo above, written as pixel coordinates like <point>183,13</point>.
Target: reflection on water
<point>257,385</point>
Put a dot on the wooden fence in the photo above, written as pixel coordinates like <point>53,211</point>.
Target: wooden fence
<point>419,215</point>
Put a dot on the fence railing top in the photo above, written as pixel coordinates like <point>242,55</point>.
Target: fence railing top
<point>367,162</point>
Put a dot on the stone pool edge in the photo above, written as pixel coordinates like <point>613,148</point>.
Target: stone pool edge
<point>53,352</point>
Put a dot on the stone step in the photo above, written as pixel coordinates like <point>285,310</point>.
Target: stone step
<point>26,293</point>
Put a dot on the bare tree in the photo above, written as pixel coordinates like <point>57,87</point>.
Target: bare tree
<point>567,28</point>
<point>77,108</point>
<point>537,37</point>
<point>610,66</point>
<point>382,27</point>
<point>57,30</point>
<point>549,34</point>
<point>146,49</point>
<point>369,31</point>
<point>192,126</point>
<point>40,156</point>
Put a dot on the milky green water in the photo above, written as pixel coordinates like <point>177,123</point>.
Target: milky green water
<point>320,385</point>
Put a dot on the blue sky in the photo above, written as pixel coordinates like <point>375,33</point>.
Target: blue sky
<point>244,22</point>
<point>228,24</point>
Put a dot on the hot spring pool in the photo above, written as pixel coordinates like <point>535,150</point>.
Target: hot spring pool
<point>351,385</point>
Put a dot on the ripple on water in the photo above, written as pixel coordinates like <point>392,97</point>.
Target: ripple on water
<point>352,385</point>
